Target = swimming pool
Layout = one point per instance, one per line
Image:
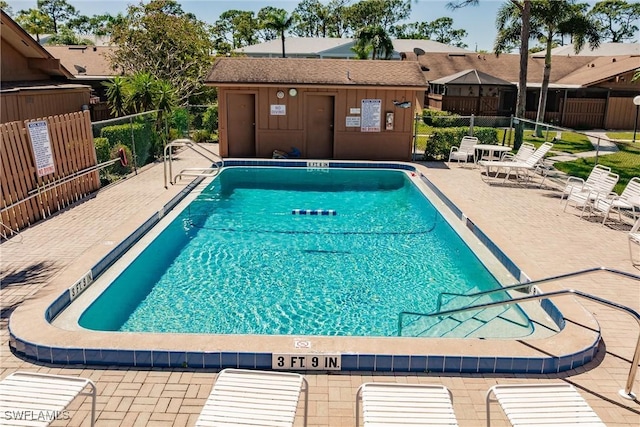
(282, 251)
(46, 329)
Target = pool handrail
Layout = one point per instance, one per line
(627, 391)
(530, 284)
(216, 162)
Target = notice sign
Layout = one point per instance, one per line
(371, 115)
(306, 362)
(353, 121)
(39, 135)
(278, 110)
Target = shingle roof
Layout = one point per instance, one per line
(505, 67)
(337, 47)
(605, 49)
(295, 45)
(316, 72)
(473, 77)
(601, 69)
(93, 59)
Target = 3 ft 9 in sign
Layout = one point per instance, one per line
(306, 362)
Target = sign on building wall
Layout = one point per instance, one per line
(353, 122)
(278, 110)
(39, 135)
(370, 115)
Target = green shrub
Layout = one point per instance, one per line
(200, 135)
(439, 119)
(486, 135)
(142, 135)
(210, 119)
(117, 168)
(180, 121)
(441, 140)
(103, 149)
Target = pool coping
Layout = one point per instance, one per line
(34, 337)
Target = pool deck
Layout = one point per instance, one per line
(527, 223)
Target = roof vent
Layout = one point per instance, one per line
(80, 69)
(613, 59)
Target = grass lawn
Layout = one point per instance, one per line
(569, 142)
(625, 163)
(624, 136)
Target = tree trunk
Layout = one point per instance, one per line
(542, 103)
(521, 103)
(282, 37)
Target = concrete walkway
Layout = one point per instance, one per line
(526, 223)
(601, 143)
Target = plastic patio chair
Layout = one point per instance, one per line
(542, 404)
(634, 239)
(249, 397)
(574, 182)
(522, 166)
(585, 197)
(465, 150)
(396, 404)
(628, 200)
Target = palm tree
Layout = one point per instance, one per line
(117, 94)
(524, 6)
(549, 19)
(374, 38)
(279, 21)
(143, 94)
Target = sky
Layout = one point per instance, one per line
(478, 21)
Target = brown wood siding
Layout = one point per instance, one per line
(621, 114)
(31, 104)
(15, 67)
(283, 132)
(620, 82)
(434, 102)
(73, 151)
(584, 113)
(468, 105)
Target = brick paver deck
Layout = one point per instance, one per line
(527, 223)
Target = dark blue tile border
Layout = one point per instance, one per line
(350, 362)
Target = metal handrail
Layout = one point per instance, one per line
(189, 143)
(626, 392)
(37, 192)
(535, 282)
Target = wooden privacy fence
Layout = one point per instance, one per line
(27, 197)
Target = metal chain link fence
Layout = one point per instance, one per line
(574, 152)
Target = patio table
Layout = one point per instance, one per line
(490, 151)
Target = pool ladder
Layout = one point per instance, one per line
(627, 391)
(215, 159)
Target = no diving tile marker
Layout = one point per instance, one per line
(317, 212)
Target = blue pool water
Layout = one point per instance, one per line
(241, 260)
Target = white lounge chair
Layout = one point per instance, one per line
(392, 404)
(585, 197)
(628, 200)
(523, 153)
(634, 239)
(574, 182)
(259, 398)
(542, 404)
(32, 399)
(465, 150)
(522, 166)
